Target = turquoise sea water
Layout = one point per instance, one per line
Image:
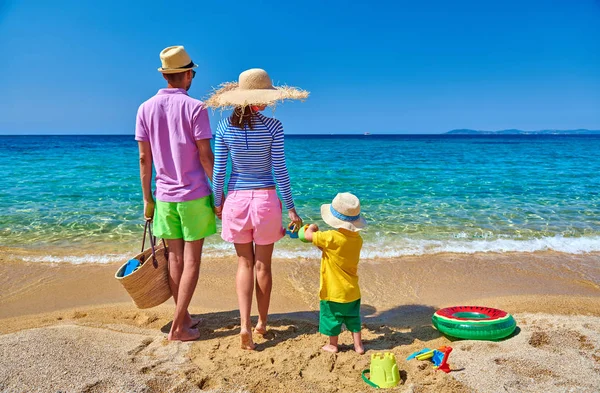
(420, 194)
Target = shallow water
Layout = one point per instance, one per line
(420, 194)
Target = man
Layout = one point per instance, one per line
(173, 132)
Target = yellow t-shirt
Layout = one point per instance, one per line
(339, 264)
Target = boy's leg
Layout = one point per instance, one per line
(353, 324)
(332, 346)
(329, 325)
(358, 345)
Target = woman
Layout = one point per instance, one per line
(252, 212)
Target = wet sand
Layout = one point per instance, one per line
(66, 320)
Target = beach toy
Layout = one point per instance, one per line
(301, 233)
(438, 356)
(384, 371)
(440, 359)
(415, 354)
(292, 230)
(425, 355)
(131, 266)
(474, 322)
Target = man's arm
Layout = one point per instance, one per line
(146, 178)
(207, 158)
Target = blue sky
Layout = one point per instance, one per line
(83, 67)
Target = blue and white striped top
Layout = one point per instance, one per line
(255, 155)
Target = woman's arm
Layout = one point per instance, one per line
(220, 168)
(281, 173)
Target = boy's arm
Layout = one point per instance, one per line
(308, 233)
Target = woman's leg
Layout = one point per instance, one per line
(264, 282)
(244, 282)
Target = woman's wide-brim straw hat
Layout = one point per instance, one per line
(175, 59)
(254, 87)
(344, 212)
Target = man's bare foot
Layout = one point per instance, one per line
(247, 342)
(261, 328)
(184, 334)
(359, 349)
(330, 348)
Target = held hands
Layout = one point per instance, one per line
(219, 212)
(149, 210)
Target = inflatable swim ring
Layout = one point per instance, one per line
(474, 323)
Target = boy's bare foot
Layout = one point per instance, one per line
(358, 345)
(330, 348)
(247, 342)
(184, 335)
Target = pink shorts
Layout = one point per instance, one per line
(252, 215)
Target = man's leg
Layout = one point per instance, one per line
(197, 221)
(184, 269)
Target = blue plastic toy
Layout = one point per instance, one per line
(437, 358)
(292, 230)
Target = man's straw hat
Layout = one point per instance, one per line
(174, 60)
(344, 212)
(254, 87)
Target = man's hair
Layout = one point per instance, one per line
(175, 78)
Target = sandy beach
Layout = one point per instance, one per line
(72, 328)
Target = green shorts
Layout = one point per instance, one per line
(190, 220)
(334, 314)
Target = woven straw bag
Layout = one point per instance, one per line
(148, 286)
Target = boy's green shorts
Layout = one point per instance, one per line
(190, 220)
(334, 314)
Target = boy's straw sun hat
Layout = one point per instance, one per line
(254, 87)
(175, 59)
(344, 212)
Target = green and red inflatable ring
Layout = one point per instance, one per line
(474, 322)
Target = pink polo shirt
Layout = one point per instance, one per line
(172, 122)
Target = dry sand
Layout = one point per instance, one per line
(60, 334)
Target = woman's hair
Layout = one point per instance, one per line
(242, 117)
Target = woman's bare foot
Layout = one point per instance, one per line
(184, 334)
(261, 328)
(192, 322)
(247, 342)
(330, 348)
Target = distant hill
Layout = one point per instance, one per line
(521, 132)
